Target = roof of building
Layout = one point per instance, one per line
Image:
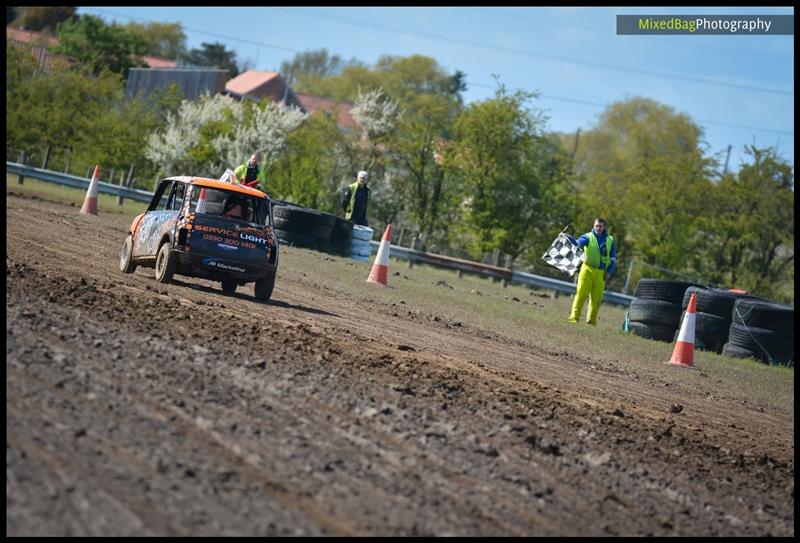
(155, 62)
(251, 82)
(28, 36)
(312, 104)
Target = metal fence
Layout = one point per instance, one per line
(402, 253)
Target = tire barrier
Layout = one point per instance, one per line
(658, 289)
(710, 331)
(714, 309)
(360, 247)
(761, 329)
(655, 313)
(658, 332)
(764, 314)
(301, 227)
(340, 236)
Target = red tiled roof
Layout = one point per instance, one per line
(255, 83)
(155, 62)
(312, 104)
(28, 37)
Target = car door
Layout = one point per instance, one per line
(160, 217)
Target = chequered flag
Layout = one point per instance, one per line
(564, 255)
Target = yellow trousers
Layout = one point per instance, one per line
(591, 284)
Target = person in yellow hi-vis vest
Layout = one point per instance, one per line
(601, 259)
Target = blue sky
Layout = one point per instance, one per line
(739, 88)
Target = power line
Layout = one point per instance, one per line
(480, 85)
(672, 43)
(603, 106)
(206, 33)
(524, 52)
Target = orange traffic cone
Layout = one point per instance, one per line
(90, 202)
(683, 355)
(380, 268)
(201, 202)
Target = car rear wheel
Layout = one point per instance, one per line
(264, 287)
(229, 285)
(126, 263)
(165, 264)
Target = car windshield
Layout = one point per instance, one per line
(229, 204)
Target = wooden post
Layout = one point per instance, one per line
(46, 158)
(504, 282)
(20, 177)
(495, 262)
(120, 199)
(411, 256)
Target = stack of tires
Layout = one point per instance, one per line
(761, 329)
(340, 236)
(360, 248)
(656, 311)
(301, 227)
(713, 320)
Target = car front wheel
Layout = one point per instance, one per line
(165, 264)
(126, 263)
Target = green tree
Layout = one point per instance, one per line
(315, 64)
(213, 55)
(40, 19)
(511, 172)
(420, 182)
(120, 134)
(404, 79)
(644, 169)
(749, 231)
(307, 171)
(164, 40)
(56, 108)
(100, 46)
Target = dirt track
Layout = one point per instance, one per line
(135, 408)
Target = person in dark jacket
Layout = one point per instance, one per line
(601, 259)
(355, 200)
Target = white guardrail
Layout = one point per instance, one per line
(402, 253)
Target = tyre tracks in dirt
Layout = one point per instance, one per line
(320, 423)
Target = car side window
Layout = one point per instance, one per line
(176, 199)
(159, 194)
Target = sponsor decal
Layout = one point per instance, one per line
(227, 247)
(215, 230)
(221, 265)
(256, 239)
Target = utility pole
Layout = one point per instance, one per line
(727, 157)
(577, 137)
